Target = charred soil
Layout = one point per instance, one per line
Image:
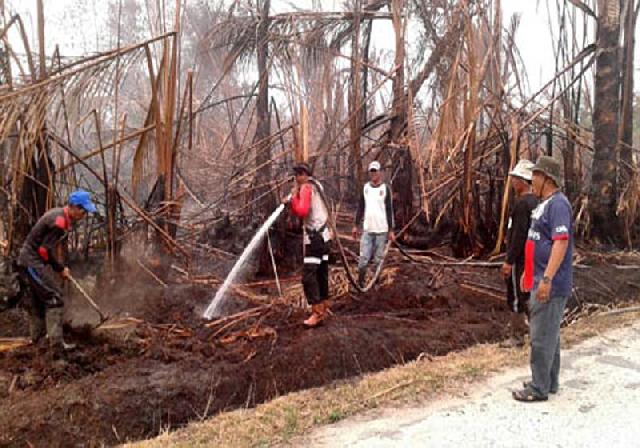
(133, 381)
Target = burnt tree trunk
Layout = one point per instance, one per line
(263, 121)
(399, 119)
(355, 98)
(5, 78)
(402, 163)
(263, 129)
(606, 109)
(626, 117)
(365, 68)
(37, 191)
(569, 153)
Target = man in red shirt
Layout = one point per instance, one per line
(307, 203)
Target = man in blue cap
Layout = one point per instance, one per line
(40, 256)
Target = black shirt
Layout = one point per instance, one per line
(519, 223)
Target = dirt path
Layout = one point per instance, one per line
(596, 406)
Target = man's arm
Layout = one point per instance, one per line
(301, 203)
(558, 251)
(360, 210)
(560, 221)
(560, 224)
(56, 253)
(388, 203)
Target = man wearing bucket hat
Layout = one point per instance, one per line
(41, 256)
(549, 275)
(307, 204)
(517, 230)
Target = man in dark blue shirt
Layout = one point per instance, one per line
(549, 275)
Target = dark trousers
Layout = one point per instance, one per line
(45, 292)
(315, 273)
(544, 327)
(45, 307)
(517, 300)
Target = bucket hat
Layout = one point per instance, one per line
(550, 167)
(523, 170)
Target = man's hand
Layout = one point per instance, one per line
(354, 232)
(542, 295)
(506, 270)
(392, 236)
(66, 273)
(285, 200)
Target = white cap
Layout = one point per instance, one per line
(523, 170)
(375, 165)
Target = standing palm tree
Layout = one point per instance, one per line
(606, 113)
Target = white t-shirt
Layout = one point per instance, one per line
(375, 211)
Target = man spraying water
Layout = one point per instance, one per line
(307, 203)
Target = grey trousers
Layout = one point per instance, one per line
(544, 327)
(372, 246)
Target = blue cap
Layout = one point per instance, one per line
(81, 198)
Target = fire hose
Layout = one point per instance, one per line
(403, 251)
(343, 255)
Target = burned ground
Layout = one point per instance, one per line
(167, 368)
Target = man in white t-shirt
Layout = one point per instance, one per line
(375, 214)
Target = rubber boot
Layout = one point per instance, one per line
(54, 330)
(362, 276)
(37, 328)
(316, 316)
(326, 311)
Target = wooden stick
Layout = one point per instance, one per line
(481, 291)
(87, 297)
(633, 309)
(256, 310)
(101, 149)
(150, 272)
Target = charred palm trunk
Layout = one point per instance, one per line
(263, 124)
(5, 78)
(605, 123)
(263, 127)
(626, 117)
(569, 155)
(402, 163)
(355, 98)
(37, 191)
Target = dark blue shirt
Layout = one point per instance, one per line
(550, 221)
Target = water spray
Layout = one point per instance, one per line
(213, 309)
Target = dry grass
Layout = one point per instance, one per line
(279, 420)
